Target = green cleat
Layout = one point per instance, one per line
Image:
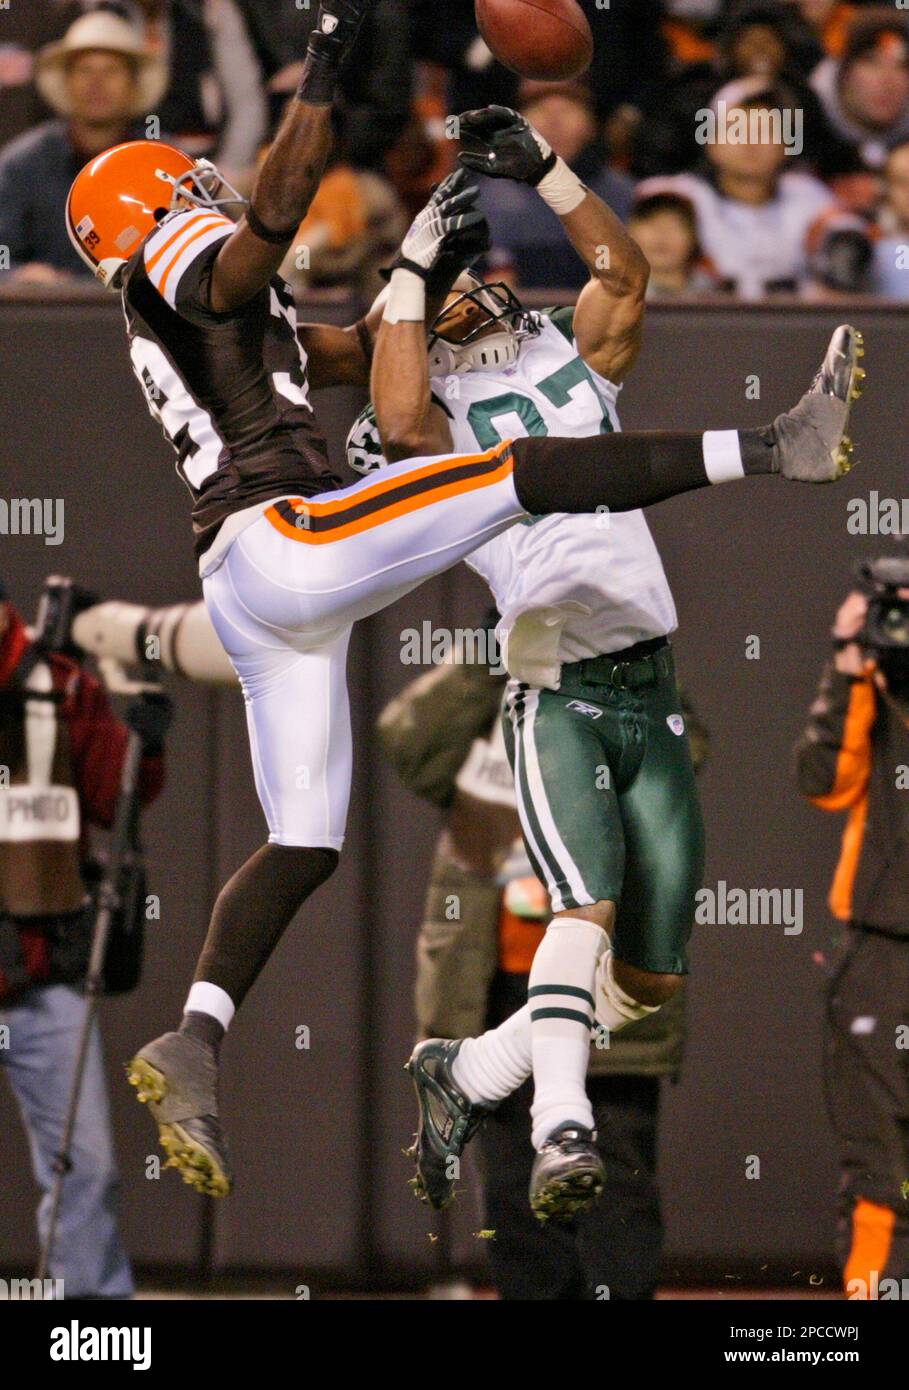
(448, 1121)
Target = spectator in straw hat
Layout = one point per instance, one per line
(100, 81)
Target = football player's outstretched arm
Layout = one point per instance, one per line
(610, 311)
(446, 236)
(341, 356)
(410, 423)
(607, 322)
(292, 171)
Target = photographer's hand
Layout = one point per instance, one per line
(850, 660)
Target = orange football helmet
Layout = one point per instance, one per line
(122, 195)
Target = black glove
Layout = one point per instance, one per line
(448, 225)
(501, 143)
(459, 251)
(330, 43)
(150, 717)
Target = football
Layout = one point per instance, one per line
(548, 40)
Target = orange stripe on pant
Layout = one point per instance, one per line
(872, 1236)
(444, 491)
(840, 898)
(853, 761)
(850, 791)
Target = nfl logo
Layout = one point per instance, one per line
(676, 723)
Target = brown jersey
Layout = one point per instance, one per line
(230, 390)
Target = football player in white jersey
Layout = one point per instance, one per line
(604, 781)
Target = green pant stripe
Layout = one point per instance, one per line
(535, 842)
(554, 876)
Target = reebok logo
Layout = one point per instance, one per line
(590, 710)
(76, 1343)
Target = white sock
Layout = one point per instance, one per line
(490, 1067)
(204, 998)
(561, 1011)
(723, 456)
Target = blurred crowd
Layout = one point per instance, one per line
(755, 147)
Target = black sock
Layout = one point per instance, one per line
(620, 472)
(253, 910)
(203, 1027)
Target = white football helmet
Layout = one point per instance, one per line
(459, 337)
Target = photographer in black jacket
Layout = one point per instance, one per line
(854, 757)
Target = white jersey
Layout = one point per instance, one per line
(567, 587)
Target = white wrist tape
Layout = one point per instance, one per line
(723, 456)
(561, 189)
(406, 297)
(381, 299)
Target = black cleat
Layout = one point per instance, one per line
(177, 1076)
(448, 1121)
(811, 443)
(567, 1174)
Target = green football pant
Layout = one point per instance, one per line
(607, 799)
